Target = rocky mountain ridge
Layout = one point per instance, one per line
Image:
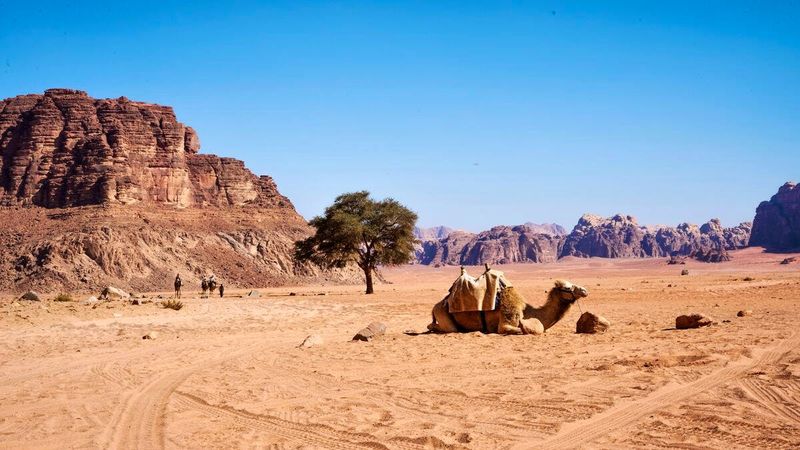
(114, 191)
(619, 236)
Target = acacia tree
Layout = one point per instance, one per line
(358, 229)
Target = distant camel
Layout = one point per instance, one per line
(514, 316)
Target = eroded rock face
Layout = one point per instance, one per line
(622, 237)
(777, 223)
(64, 149)
(97, 192)
(499, 245)
(616, 237)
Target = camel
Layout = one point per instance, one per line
(514, 316)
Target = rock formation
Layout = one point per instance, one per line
(622, 237)
(777, 223)
(96, 192)
(499, 245)
(619, 236)
(65, 149)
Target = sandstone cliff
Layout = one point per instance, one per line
(113, 191)
(777, 222)
(65, 149)
(622, 237)
(619, 236)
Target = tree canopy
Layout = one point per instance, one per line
(357, 229)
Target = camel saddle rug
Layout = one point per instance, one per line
(476, 294)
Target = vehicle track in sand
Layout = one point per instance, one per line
(583, 432)
(320, 435)
(139, 421)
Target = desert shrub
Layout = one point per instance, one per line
(748, 279)
(172, 304)
(62, 297)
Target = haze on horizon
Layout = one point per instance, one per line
(471, 113)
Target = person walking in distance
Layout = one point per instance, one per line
(178, 284)
(221, 290)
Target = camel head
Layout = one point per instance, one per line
(567, 292)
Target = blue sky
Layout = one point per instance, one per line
(471, 113)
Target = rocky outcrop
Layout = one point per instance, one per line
(619, 236)
(65, 149)
(616, 237)
(500, 245)
(504, 245)
(113, 192)
(445, 251)
(622, 237)
(777, 223)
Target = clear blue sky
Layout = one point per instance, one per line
(471, 113)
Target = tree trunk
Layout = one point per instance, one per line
(368, 276)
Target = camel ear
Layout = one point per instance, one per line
(560, 283)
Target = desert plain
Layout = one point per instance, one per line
(231, 373)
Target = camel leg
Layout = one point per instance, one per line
(531, 326)
(510, 317)
(442, 320)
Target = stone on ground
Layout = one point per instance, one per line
(744, 312)
(311, 341)
(692, 321)
(590, 323)
(31, 296)
(372, 330)
(112, 293)
(254, 294)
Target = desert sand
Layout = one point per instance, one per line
(228, 373)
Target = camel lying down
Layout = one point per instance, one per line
(514, 316)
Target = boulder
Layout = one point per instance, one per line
(590, 323)
(744, 313)
(311, 341)
(31, 296)
(112, 293)
(684, 272)
(692, 321)
(372, 331)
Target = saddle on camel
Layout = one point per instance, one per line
(490, 304)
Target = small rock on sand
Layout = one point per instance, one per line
(112, 293)
(685, 272)
(91, 301)
(311, 341)
(151, 335)
(254, 294)
(31, 296)
(371, 331)
(744, 312)
(692, 321)
(590, 323)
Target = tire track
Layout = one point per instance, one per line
(139, 423)
(320, 435)
(770, 397)
(578, 433)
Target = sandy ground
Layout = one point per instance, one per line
(228, 373)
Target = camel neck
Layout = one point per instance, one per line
(550, 313)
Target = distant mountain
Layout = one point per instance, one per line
(619, 236)
(547, 228)
(432, 233)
